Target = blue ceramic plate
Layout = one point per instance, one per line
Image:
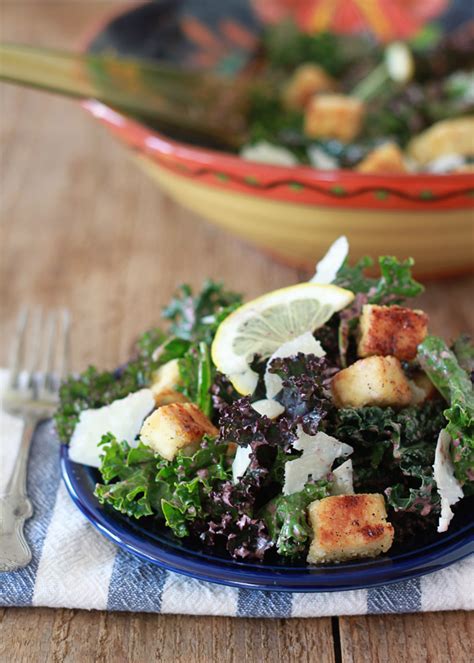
(157, 545)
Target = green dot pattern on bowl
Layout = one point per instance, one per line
(250, 179)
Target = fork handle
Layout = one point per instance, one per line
(15, 508)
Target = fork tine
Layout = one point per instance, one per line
(47, 356)
(64, 353)
(33, 350)
(18, 346)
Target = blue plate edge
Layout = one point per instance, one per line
(207, 572)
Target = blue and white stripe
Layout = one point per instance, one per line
(74, 566)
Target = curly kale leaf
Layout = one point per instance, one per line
(286, 519)
(373, 432)
(196, 317)
(241, 424)
(139, 482)
(129, 476)
(192, 479)
(93, 388)
(232, 508)
(304, 395)
(394, 452)
(421, 499)
(454, 384)
(414, 455)
(244, 537)
(394, 285)
(354, 278)
(223, 392)
(286, 46)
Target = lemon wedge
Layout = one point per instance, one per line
(261, 326)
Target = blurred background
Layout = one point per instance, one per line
(83, 227)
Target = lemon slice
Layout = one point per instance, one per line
(261, 326)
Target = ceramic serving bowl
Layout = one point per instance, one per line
(293, 213)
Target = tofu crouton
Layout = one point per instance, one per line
(445, 137)
(307, 80)
(348, 526)
(372, 381)
(386, 158)
(391, 330)
(333, 116)
(165, 381)
(177, 426)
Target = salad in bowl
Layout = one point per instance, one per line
(344, 101)
(317, 424)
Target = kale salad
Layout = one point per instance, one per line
(316, 424)
(336, 101)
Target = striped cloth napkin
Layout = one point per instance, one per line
(74, 566)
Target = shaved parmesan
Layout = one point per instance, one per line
(319, 453)
(321, 159)
(449, 488)
(328, 267)
(306, 344)
(123, 418)
(343, 479)
(268, 408)
(264, 152)
(241, 462)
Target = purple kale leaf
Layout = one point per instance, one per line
(304, 394)
(223, 393)
(244, 537)
(232, 508)
(241, 424)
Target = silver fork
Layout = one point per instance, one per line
(38, 363)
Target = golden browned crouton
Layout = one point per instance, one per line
(422, 389)
(371, 381)
(333, 116)
(165, 381)
(307, 80)
(386, 158)
(446, 137)
(348, 526)
(176, 426)
(391, 330)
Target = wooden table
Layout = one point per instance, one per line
(82, 227)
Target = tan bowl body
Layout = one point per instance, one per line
(441, 241)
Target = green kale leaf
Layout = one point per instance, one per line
(394, 452)
(94, 389)
(454, 384)
(286, 519)
(129, 476)
(139, 482)
(196, 317)
(394, 285)
(197, 371)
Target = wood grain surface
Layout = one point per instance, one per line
(82, 227)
